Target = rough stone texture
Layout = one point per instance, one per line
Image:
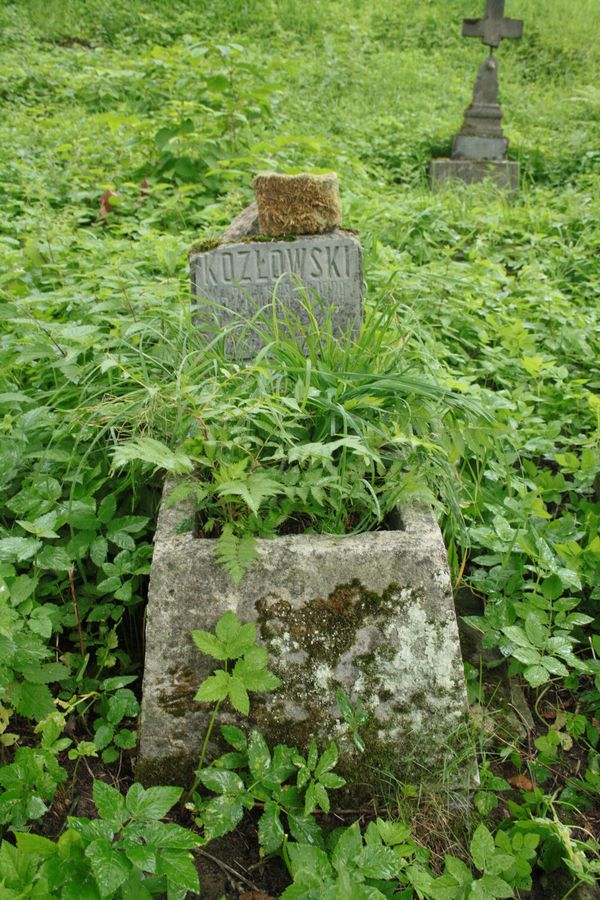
(504, 173)
(494, 26)
(372, 613)
(243, 225)
(297, 204)
(479, 147)
(481, 135)
(239, 279)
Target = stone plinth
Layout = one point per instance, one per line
(370, 613)
(241, 278)
(504, 173)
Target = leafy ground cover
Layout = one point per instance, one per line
(131, 130)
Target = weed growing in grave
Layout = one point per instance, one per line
(319, 435)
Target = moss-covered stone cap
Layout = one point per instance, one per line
(297, 204)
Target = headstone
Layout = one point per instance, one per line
(480, 149)
(370, 613)
(247, 269)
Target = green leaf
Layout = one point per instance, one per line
(555, 666)
(154, 453)
(103, 736)
(110, 803)
(391, 832)
(458, 870)
(153, 803)
(122, 703)
(214, 688)
(444, 888)
(140, 855)
(209, 644)
(221, 815)
(235, 553)
(238, 695)
(99, 551)
(328, 760)
(110, 867)
(303, 828)
(236, 637)
(255, 678)
(178, 866)
(270, 829)
(32, 700)
(535, 630)
(377, 861)
(18, 549)
(221, 781)
(259, 757)
(348, 847)
(516, 634)
(482, 847)
(306, 858)
(55, 558)
(235, 737)
(536, 675)
(527, 655)
(321, 796)
(107, 509)
(35, 845)
(492, 886)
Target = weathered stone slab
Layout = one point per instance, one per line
(479, 147)
(371, 613)
(243, 278)
(504, 173)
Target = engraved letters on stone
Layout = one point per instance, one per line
(242, 278)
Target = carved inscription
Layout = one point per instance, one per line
(243, 278)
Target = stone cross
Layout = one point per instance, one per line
(494, 27)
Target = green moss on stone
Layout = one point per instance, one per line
(203, 245)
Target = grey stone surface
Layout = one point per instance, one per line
(494, 26)
(243, 225)
(504, 174)
(372, 613)
(471, 146)
(297, 204)
(241, 278)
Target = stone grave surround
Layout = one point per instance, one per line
(370, 613)
(480, 149)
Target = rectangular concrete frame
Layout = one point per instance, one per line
(505, 174)
(240, 278)
(372, 613)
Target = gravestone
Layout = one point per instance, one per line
(371, 613)
(480, 149)
(266, 252)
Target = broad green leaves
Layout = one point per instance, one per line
(234, 642)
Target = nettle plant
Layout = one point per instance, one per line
(315, 435)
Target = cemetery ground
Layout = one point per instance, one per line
(130, 131)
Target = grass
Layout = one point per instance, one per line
(173, 112)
